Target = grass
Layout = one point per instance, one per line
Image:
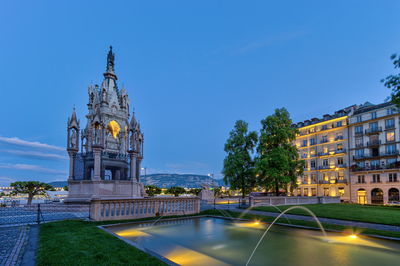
(283, 220)
(354, 212)
(76, 242)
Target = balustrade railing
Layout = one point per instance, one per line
(122, 209)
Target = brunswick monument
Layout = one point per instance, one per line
(105, 156)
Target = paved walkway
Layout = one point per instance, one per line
(13, 241)
(327, 220)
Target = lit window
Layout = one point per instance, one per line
(390, 136)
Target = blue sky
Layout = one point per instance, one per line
(191, 69)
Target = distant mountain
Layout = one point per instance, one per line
(59, 183)
(183, 180)
(169, 180)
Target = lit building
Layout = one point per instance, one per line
(374, 154)
(323, 144)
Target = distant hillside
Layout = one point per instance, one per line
(169, 180)
(184, 180)
(59, 183)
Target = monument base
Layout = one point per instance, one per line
(83, 191)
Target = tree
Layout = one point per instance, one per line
(66, 188)
(176, 191)
(393, 81)
(32, 188)
(277, 162)
(217, 192)
(195, 191)
(152, 190)
(238, 168)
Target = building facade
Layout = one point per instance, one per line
(324, 145)
(374, 154)
(105, 156)
(353, 153)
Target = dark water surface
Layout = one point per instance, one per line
(215, 241)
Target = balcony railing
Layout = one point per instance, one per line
(359, 145)
(356, 168)
(373, 130)
(389, 127)
(359, 133)
(375, 156)
(373, 143)
(324, 141)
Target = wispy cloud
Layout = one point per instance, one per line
(36, 154)
(268, 42)
(31, 167)
(32, 144)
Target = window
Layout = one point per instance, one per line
(313, 178)
(325, 177)
(325, 162)
(341, 191)
(376, 178)
(304, 155)
(313, 142)
(391, 149)
(360, 152)
(359, 129)
(359, 142)
(341, 175)
(304, 143)
(306, 192)
(390, 111)
(324, 127)
(373, 126)
(390, 136)
(339, 123)
(391, 161)
(339, 147)
(312, 130)
(359, 118)
(313, 192)
(392, 177)
(361, 179)
(312, 164)
(305, 164)
(389, 123)
(340, 161)
(324, 139)
(326, 191)
(375, 163)
(312, 152)
(339, 136)
(373, 115)
(361, 164)
(299, 192)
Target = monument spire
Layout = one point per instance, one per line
(110, 65)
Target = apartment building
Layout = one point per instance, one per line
(324, 144)
(374, 154)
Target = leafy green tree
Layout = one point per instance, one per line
(217, 192)
(238, 164)
(152, 190)
(277, 162)
(32, 188)
(195, 191)
(66, 188)
(176, 191)
(393, 81)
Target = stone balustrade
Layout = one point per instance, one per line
(123, 209)
(268, 201)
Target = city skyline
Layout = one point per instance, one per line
(188, 81)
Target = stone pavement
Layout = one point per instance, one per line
(327, 220)
(13, 241)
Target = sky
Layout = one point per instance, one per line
(191, 69)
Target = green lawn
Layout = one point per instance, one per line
(76, 242)
(354, 212)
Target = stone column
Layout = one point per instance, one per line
(72, 156)
(138, 168)
(97, 163)
(132, 170)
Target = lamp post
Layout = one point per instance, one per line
(144, 168)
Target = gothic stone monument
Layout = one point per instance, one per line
(107, 163)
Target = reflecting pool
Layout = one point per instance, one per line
(216, 241)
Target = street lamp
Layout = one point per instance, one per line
(144, 168)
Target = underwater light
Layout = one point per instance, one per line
(353, 236)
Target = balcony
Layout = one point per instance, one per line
(393, 181)
(373, 143)
(376, 156)
(323, 182)
(373, 130)
(388, 127)
(324, 167)
(359, 145)
(355, 168)
(339, 138)
(358, 133)
(324, 141)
